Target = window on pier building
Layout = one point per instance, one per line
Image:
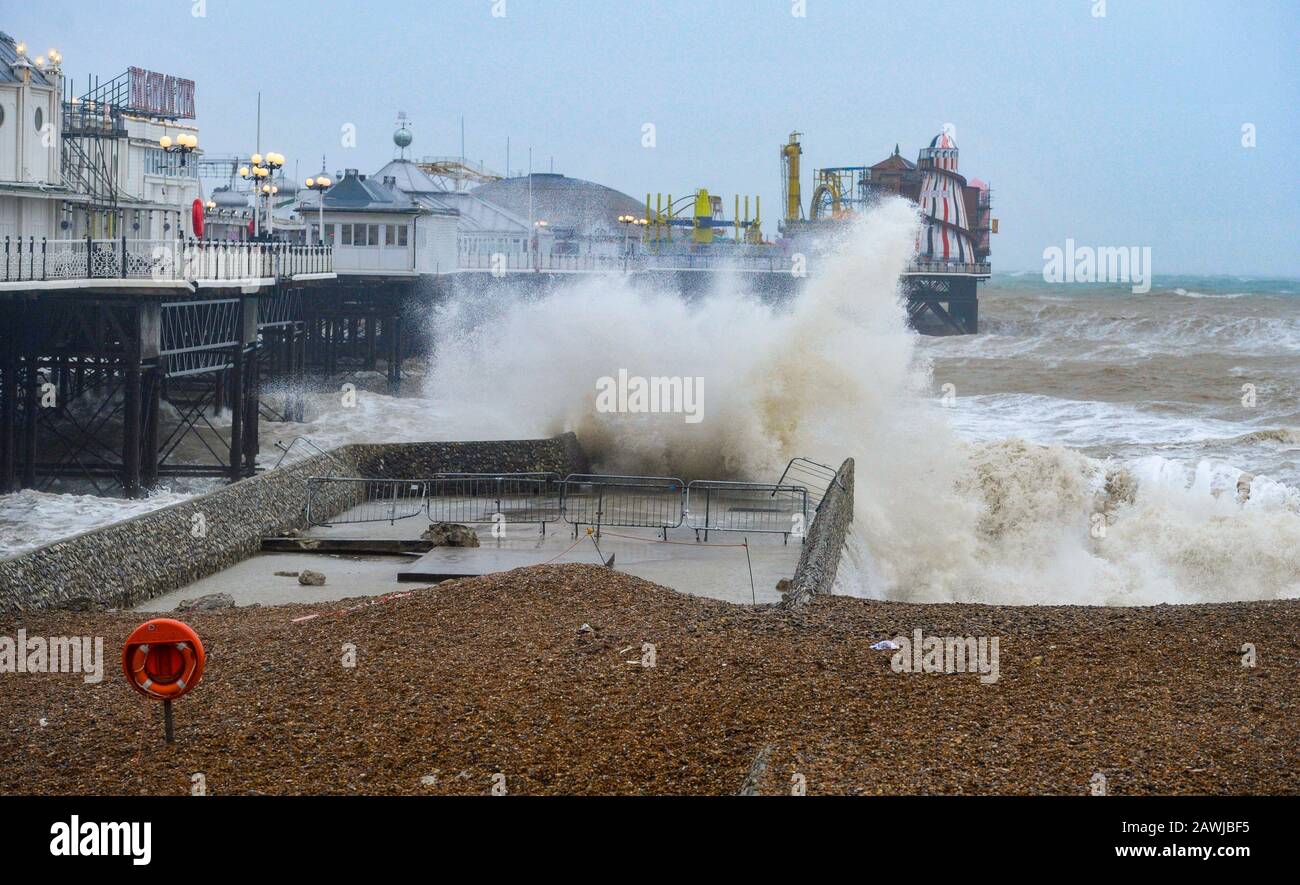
(395, 235)
(159, 162)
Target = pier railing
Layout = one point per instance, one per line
(776, 262)
(922, 267)
(43, 260)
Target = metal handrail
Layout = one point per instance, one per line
(807, 468)
(785, 515)
(31, 260)
(657, 502)
(775, 263)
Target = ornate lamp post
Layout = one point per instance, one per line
(273, 162)
(184, 144)
(270, 191)
(260, 171)
(538, 227)
(320, 184)
(249, 173)
(627, 221)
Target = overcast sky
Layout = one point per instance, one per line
(1117, 130)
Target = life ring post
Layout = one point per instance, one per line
(163, 660)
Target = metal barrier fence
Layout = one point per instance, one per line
(479, 497)
(811, 475)
(656, 502)
(746, 507)
(350, 499)
(632, 501)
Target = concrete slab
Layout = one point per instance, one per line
(717, 568)
(254, 580)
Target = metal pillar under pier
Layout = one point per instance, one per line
(943, 304)
(350, 325)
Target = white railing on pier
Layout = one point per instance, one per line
(774, 262)
(32, 260)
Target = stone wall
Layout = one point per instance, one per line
(825, 542)
(126, 563)
(561, 455)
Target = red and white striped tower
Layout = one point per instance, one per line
(946, 235)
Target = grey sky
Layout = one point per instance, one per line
(1122, 130)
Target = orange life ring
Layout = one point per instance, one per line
(163, 658)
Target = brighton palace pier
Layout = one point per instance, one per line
(157, 303)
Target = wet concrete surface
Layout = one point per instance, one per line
(717, 568)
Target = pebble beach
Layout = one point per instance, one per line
(580, 680)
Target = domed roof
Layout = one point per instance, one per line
(562, 202)
(409, 178)
(942, 140)
(226, 198)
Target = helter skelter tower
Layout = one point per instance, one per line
(952, 248)
(946, 234)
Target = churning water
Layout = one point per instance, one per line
(1089, 450)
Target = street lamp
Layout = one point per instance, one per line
(538, 226)
(320, 184)
(262, 168)
(209, 208)
(249, 173)
(184, 144)
(627, 221)
(270, 191)
(272, 164)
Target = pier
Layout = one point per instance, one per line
(152, 293)
(103, 338)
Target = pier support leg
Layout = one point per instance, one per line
(395, 355)
(31, 381)
(153, 407)
(9, 424)
(332, 346)
(252, 424)
(220, 380)
(237, 414)
(297, 340)
(131, 432)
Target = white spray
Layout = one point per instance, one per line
(836, 373)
